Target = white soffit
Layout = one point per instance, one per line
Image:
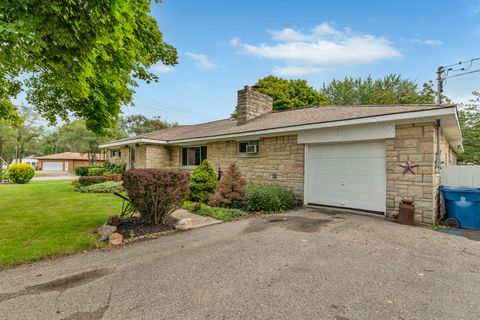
(372, 131)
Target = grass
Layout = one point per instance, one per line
(224, 214)
(47, 218)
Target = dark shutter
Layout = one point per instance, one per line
(203, 153)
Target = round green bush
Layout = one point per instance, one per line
(204, 181)
(268, 199)
(20, 173)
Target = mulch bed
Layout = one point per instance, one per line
(133, 227)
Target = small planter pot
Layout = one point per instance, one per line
(109, 177)
(117, 177)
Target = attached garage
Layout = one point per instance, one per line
(52, 166)
(348, 175)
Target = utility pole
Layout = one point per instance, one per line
(439, 84)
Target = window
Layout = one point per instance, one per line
(115, 153)
(242, 146)
(193, 156)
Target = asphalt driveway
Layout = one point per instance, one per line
(298, 265)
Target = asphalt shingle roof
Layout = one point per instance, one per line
(272, 120)
(67, 156)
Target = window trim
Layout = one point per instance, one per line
(113, 151)
(203, 149)
(248, 142)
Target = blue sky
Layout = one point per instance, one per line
(224, 45)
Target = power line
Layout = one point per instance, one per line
(444, 71)
(461, 74)
(172, 112)
(172, 107)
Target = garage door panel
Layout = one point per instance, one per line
(52, 166)
(348, 150)
(347, 175)
(367, 166)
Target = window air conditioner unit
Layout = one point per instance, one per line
(252, 148)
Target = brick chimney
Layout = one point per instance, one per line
(251, 104)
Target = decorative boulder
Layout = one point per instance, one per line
(105, 231)
(115, 239)
(184, 224)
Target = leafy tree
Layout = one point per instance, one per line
(391, 89)
(78, 58)
(203, 182)
(19, 138)
(138, 124)
(7, 141)
(470, 122)
(75, 137)
(290, 94)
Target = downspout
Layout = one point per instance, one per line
(438, 158)
(438, 164)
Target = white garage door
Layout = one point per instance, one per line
(350, 175)
(52, 166)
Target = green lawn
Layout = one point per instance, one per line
(46, 218)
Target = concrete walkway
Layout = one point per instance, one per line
(197, 220)
(54, 175)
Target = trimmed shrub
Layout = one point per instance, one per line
(115, 168)
(20, 173)
(156, 193)
(230, 189)
(104, 187)
(82, 171)
(268, 199)
(203, 182)
(96, 171)
(88, 181)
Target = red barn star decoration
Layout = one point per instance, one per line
(408, 166)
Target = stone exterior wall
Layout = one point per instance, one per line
(280, 160)
(251, 104)
(124, 156)
(414, 142)
(417, 143)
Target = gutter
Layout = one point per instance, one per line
(133, 141)
(295, 128)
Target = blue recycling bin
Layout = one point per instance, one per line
(463, 204)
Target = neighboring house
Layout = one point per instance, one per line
(66, 161)
(31, 160)
(339, 156)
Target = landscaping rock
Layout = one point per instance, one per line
(105, 231)
(115, 239)
(184, 224)
(113, 220)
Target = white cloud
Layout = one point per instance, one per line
(324, 46)
(429, 42)
(474, 10)
(235, 42)
(201, 60)
(292, 71)
(161, 68)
